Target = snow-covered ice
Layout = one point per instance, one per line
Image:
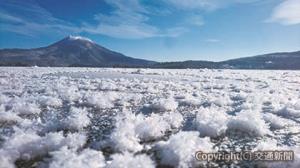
(111, 117)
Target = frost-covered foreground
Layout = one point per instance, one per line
(80, 117)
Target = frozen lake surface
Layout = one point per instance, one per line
(105, 117)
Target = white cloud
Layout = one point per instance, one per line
(195, 20)
(193, 4)
(123, 21)
(11, 23)
(31, 20)
(286, 13)
(207, 5)
(174, 32)
(123, 30)
(129, 20)
(5, 17)
(212, 40)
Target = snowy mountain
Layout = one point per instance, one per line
(70, 51)
(83, 52)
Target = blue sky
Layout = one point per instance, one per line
(165, 30)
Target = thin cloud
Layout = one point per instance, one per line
(129, 19)
(36, 21)
(122, 22)
(195, 20)
(212, 40)
(129, 23)
(193, 4)
(205, 5)
(122, 31)
(5, 17)
(174, 32)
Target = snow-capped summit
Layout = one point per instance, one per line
(70, 37)
(70, 51)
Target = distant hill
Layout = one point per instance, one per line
(70, 51)
(82, 52)
(187, 64)
(283, 60)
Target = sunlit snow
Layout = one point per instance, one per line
(106, 117)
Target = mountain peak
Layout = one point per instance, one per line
(70, 37)
(70, 51)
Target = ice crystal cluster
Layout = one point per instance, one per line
(102, 117)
